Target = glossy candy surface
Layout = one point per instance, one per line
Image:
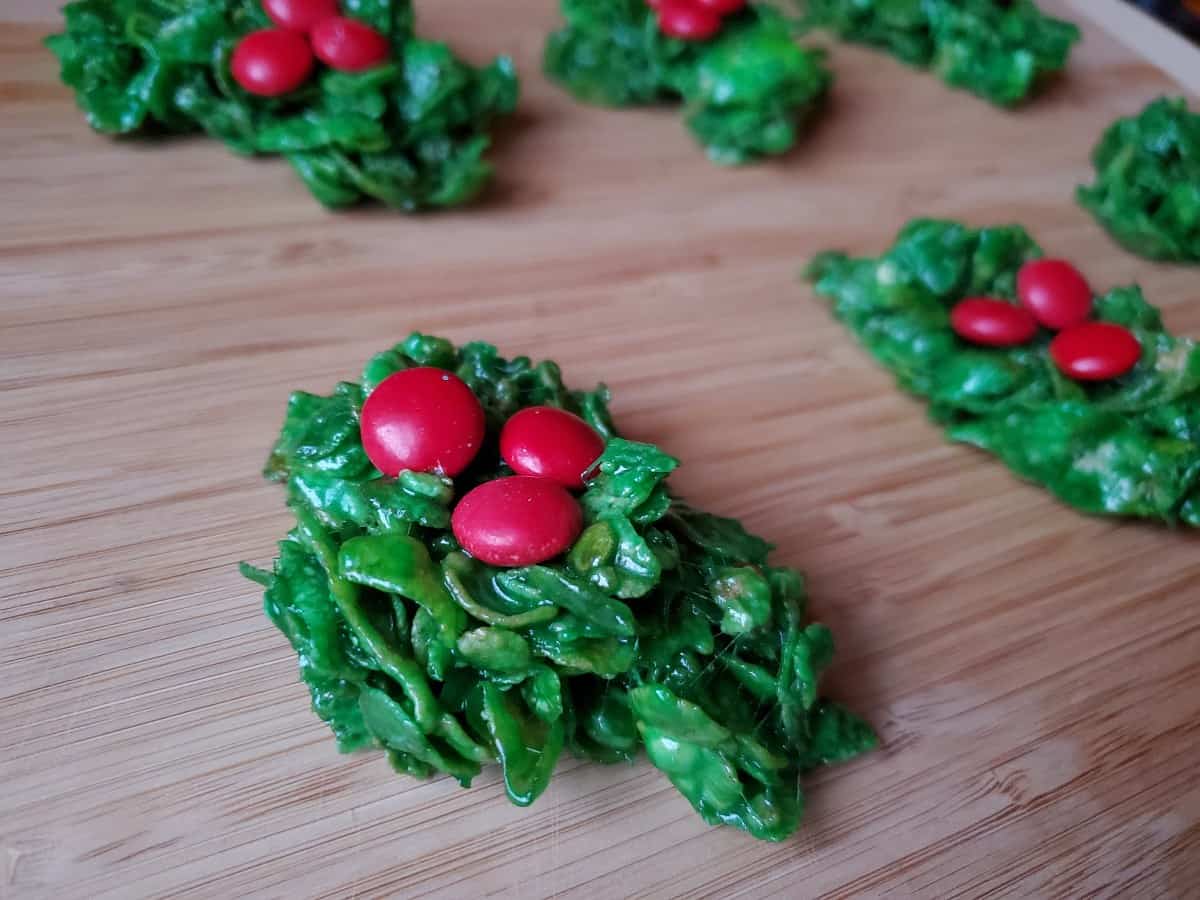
(271, 62)
(1055, 292)
(721, 7)
(993, 323)
(348, 45)
(687, 21)
(1095, 351)
(517, 521)
(551, 443)
(422, 419)
(299, 15)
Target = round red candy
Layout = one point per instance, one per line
(550, 443)
(993, 323)
(348, 44)
(423, 419)
(721, 7)
(271, 62)
(1095, 351)
(1055, 292)
(687, 21)
(299, 15)
(517, 521)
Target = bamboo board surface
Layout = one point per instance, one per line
(1035, 675)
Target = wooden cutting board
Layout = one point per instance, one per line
(1035, 674)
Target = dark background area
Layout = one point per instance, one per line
(1182, 15)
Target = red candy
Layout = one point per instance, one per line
(551, 443)
(299, 15)
(517, 521)
(1095, 351)
(1055, 292)
(422, 419)
(721, 7)
(687, 21)
(993, 323)
(271, 62)
(348, 44)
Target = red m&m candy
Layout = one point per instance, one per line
(299, 15)
(687, 21)
(348, 44)
(551, 443)
(423, 419)
(271, 62)
(517, 521)
(1055, 292)
(1095, 351)
(993, 323)
(721, 7)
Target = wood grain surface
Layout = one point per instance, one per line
(1035, 675)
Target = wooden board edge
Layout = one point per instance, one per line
(1146, 36)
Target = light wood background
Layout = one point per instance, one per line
(1035, 675)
